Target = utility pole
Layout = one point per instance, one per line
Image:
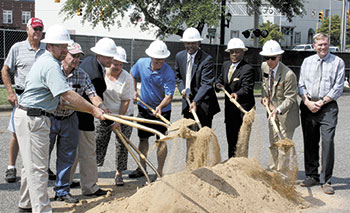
(222, 22)
(343, 26)
(330, 20)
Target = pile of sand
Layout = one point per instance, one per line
(238, 185)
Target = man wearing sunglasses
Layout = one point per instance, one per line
(237, 77)
(19, 60)
(279, 92)
(321, 83)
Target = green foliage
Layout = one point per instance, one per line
(335, 29)
(169, 16)
(274, 32)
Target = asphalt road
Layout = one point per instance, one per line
(339, 202)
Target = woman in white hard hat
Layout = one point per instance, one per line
(279, 91)
(157, 90)
(237, 77)
(118, 98)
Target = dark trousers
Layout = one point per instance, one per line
(233, 125)
(315, 125)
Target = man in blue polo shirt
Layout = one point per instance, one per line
(157, 89)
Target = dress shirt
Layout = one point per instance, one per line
(333, 72)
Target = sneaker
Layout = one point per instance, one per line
(119, 181)
(52, 176)
(327, 189)
(309, 181)
(10, 175)
(136, 173)
(20, 209)
(66, 198)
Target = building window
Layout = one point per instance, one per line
(26, 15)
(234, 34)
(7, 17)
(297, 37)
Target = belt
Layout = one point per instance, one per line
(19, 91)
(62, 117)
(34, 111)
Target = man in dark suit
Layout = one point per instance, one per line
(237, 77)
(194, 72)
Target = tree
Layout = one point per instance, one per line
(169, 16)
(335, 29)
(274, 32)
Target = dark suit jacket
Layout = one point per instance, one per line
(242, 83)
(203, 77)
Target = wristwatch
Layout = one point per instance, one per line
(324, 101)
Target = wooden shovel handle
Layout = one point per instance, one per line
(234, 101)
(153, 111)
(141, 120)
(194, 113)
(273, 122)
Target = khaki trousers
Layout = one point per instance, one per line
(280, 158)
(33, 139)
(86, 156)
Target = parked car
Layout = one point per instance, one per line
(304, 47)
(333, 48)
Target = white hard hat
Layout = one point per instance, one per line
(271, 48)
(191, 35)
(105, 47)
(158, 49)
(235, 43)
(57, 34)
(120, 55)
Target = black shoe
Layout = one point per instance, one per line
(10, 175)
(309, 181)
(75, 184)
(66, 198)
(24, 209)
(99, 192)
(52, 176)
(136, 174)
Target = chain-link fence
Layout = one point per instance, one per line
(135, 49)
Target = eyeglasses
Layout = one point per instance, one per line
(266, 58)
(236, 51)
(38, 29)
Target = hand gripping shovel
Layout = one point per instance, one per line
(246, 128)
(188, 92)
(153, 111)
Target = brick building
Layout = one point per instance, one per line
(16, 13)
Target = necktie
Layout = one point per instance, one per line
(271, 82)
(230, 72)
(318, 77)
(189, 72)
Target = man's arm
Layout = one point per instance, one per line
(12, 98)
(80, 104)
(165, 102)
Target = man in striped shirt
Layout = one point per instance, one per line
(320, 85)
(19, 61)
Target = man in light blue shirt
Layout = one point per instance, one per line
(320, 85)
(44, 86)
(157, 90)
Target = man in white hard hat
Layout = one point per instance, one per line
(279, 92)
(44, 85)
(64, 123)
(237, 77)
(19, 60)
(95, 67)
(157, 89)
(195, 75)
(119, 99)
(321, 83)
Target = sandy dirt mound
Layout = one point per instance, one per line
(238, 185)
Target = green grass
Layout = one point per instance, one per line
(3, 96)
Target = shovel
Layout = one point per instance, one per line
(188, 92)
(244, 132)
(153, 111)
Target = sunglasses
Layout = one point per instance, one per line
(266, 58)
(38, 29)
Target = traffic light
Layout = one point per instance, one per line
(257, 32)
(57, 1)
(79, 12)
(320, 16)
(264, 33)
(347, 15)
(246, 33)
